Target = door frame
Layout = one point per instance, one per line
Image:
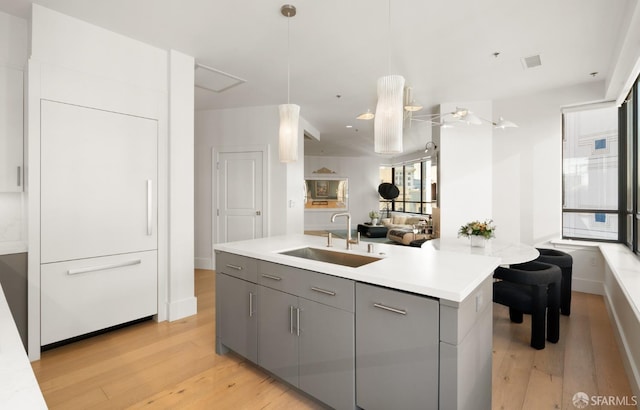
(215, 156)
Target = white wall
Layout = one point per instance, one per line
(13, 55)
(527, 163)
(78, 63)
(465, 170)
(364, 178)
(245, 127)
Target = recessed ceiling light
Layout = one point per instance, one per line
(349, 126)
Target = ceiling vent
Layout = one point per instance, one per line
(531, 62)
(215, 80)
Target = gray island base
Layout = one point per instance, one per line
(347, 338)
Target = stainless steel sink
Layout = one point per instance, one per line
(338, 258)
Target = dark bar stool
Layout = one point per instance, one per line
(532, 288)
(565, 262)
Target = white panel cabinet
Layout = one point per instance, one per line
(83, 296)
(98, 226)
(11, 129)
(98, 182)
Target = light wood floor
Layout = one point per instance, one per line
(174, 366)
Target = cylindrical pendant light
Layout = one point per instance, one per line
(289, 113)
(288, 141)
(387, 129)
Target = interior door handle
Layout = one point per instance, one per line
(258, 213)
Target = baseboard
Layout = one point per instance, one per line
(182, 308)
(587, 286)
(203, 263)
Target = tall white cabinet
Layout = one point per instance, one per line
(99, 241)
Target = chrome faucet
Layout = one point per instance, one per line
(348, 215)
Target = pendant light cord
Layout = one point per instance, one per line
(288, 56)
(389, 40)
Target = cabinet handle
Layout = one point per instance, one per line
(291, 319)
(264, 275)
(326, 292)
(149, 206)
(19, 175)
(250, 304)
(298, 321)
(390, 309)
(234, 267)
(103, 267)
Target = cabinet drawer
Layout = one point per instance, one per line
(327, 289)
(241, 267)
(330, 290)
(82, 296)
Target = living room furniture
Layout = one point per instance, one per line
(565, 262)
(372, 231)
(532, 288)
(405, 236)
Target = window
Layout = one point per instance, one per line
(416, 182)
(590, 173)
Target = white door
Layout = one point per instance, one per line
(240, 199)
(99, 182)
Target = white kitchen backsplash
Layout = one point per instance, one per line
(12, 217)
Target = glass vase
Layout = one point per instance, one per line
(477, 241)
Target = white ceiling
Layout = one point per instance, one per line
(444, 49)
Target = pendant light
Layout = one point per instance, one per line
(387, 127)
(289, 113)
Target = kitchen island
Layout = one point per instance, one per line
(410, 328)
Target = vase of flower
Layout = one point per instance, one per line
(477, 241)
(478, 232)
(375, 217)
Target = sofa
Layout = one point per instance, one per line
(400, 228)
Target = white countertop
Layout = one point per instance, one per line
(18, 385)
(509, 253)
(440, 274)
(10, 247)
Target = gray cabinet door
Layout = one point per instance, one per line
(278, 333)
(237, 326)
(397, 337)
(327, 365)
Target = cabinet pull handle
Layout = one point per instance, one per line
(234, 267)
(250, 304)
(390, 309)
(19, 175)
(149, 206)
(290, 319)
(326, 292)
(103, 267)
(298, 321)
(264, 275)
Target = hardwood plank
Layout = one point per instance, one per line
(174, 365)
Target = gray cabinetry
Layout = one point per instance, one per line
(236, 317)
(397, 355)
(306, 332)
(277, 333)
(236, 305)
(327, 351)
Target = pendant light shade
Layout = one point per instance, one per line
(289, 113)
(387, 129)
(288, 142)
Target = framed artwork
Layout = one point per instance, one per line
(322, 189)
